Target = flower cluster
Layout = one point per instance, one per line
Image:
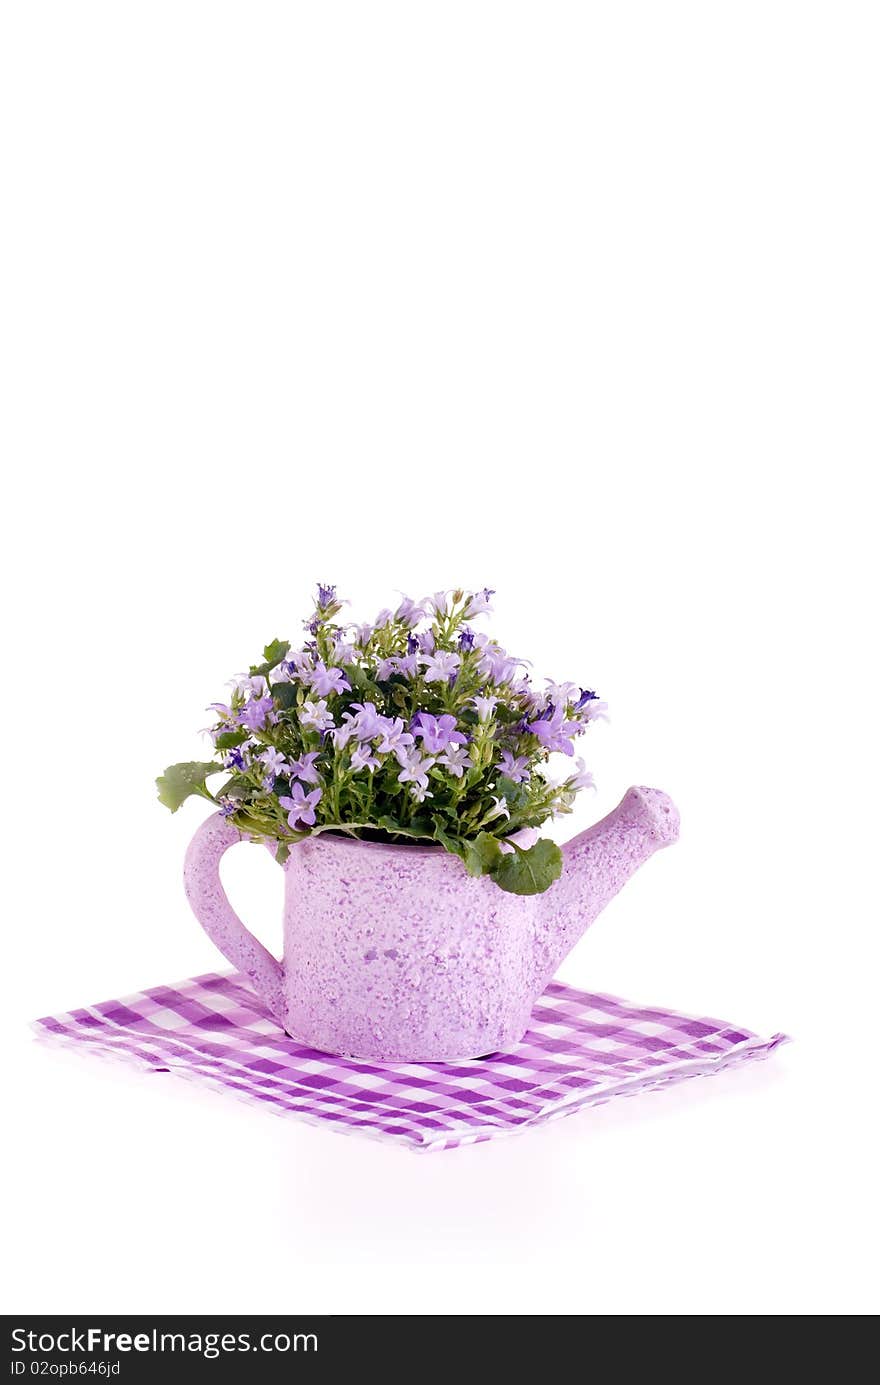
(416, 727)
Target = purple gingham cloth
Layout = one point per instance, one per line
(580, 1050)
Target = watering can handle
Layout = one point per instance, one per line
(209, 903)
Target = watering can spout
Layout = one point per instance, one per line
(598, 864)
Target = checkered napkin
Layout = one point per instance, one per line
(580, 1050)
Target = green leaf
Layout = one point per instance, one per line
(529, 872)
(179, 782)
(516, 796)
(417, 831)
(450, 844)
(255, 826)
(361, 682)
(482, 855)
(282, 851)
(284, 695)
(236, 787)
(275, 651)
(421, 827)
(388, 824)
(227, 739)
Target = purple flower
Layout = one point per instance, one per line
(328, 680)
(364, 634)
(497, 666)
(362, 757)
(439, 603)
(408, 613)
(315, 716)
(368, 723)
(412, 644)
(304, 768)
(478, 603)
(413, 768)
(420, 792)
(561, 692)
(442, 666)
(343, 734)
(515, 767)
(385, 668)
(298, 664)
(436, 732)
(228, 806)
(234, 759)
(256, 713)
(582, 780)
(466, 641)
(524, 838)
(485, 706)
(273, 760)
(594, 710)
(256, 686)
(326, 596)
(343, 652)
(531, 700)
(553, 731)
(408, 665)
(427, 642)
(301, 806)
(456, 760)
(393, 736)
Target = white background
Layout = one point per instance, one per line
(574, 300)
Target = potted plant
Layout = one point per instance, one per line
(400, 772)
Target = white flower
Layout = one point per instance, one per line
(485, 706)
(440, 666)
(315, 716)
(456, 760)
(413, 769)
(500, 810)
(363, 758)
(273, 760)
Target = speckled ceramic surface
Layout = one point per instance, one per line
(397, 954)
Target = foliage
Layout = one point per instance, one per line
(413, 728)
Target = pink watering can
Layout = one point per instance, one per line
(396, 954)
